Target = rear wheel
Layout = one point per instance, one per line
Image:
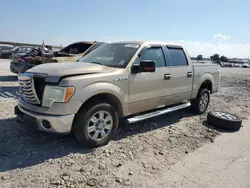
(96, 124)
(200, 103)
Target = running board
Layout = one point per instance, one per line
(157, 113)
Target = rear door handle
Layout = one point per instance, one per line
(189, 74)
(167, 76)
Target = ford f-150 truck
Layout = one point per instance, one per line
(121, 81)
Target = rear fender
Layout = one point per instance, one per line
(200, 81)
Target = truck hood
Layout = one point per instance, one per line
(54, 71)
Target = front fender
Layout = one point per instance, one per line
(100, 88)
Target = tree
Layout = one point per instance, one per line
(199, 57)
(215, 58)
(224, 58)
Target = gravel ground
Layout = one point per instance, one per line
(140, 151)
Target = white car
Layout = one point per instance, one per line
(237, 65)
(246, 65)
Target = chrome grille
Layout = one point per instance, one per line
(27, 88)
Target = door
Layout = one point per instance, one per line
(181, 73)
(147, 90)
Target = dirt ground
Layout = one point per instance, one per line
(140, 151)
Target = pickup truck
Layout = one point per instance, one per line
(117, 82)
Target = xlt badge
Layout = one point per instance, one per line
(120, 79)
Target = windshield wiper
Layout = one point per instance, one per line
(108, 65)
(95, 62)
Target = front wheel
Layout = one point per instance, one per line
(200, 103)
(96, 124)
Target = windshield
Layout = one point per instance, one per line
(113, 55)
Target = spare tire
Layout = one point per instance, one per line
(224, 120)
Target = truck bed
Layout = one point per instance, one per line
(208, 69)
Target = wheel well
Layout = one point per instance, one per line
(206, 85)
(109, 98)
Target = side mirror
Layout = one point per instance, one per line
(144, 66)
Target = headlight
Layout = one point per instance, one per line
(57, 94)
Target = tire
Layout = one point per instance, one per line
(196, 103)
(224, 120)
(83, 121)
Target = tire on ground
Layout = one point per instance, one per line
(80, 125)
(223, 123)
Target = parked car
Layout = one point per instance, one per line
(122, 81)
(246, 65)
(224, 64)
(40, 55)
(72, 52)
(237, 65)
(5, 47)
(8, 53)
(93, 47)
(20, 59)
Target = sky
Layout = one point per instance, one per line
(203, 27)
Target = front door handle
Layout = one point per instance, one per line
(189, 74)
(167, 76)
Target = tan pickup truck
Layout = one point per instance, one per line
(122, 81)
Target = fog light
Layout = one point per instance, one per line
(46, 124)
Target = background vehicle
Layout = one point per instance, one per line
(38, 55)
(222, 64)
(93, 47)
(5, 47)
(237, 65)
(8, 53)
(246, 65)
(72, 52)
(19, 61)
(130, 81)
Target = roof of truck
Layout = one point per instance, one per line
(150, 43)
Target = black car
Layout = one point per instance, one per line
(8, 53)
(3, 48)
(6, 47)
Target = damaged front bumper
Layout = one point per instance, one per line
(44, 122)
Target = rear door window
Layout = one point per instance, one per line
(154, 54)
(177, 57)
